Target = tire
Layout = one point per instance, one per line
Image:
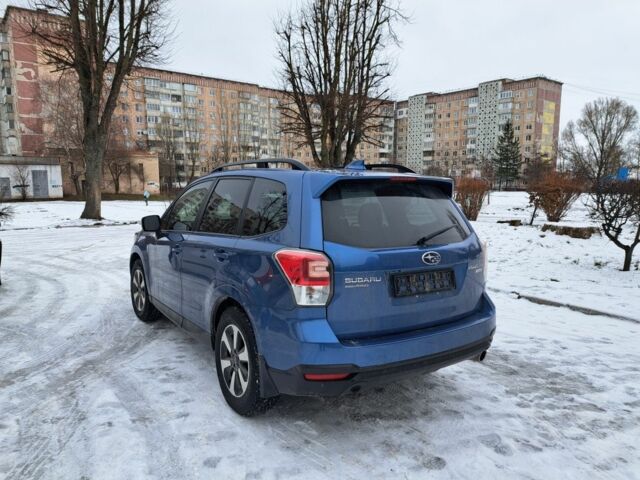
(142, 306)
(237, 364)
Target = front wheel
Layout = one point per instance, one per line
(142, 307)
(237, 364)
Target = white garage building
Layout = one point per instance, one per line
(39, 177)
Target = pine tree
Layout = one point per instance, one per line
(507, 157)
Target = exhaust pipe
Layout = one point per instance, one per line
(480, 357)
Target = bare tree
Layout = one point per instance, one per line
(596, 146)
(227, 139)
(117, 167)
(168, 135)
(334, 72)
(487, 173)
(195, 145)
(214, 158)
(101, 40)
(6, 212)
(62, 108)
(62, 111)
(617, 206)
(21, 178)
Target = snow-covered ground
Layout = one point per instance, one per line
(87, 391)
(61, 214)
(579, 272)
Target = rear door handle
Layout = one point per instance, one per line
(221, 254)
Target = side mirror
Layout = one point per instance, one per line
(151, 223)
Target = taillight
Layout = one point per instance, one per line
(308, 274)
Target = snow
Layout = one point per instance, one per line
(60, 214)
(555, 267)
(88, 391)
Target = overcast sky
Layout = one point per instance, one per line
(592, 46)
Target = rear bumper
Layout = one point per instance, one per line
(309, 346)
(292, 381)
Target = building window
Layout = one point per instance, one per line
(531, 92)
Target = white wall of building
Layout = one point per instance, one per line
(54, 180)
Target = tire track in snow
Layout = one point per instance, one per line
(47, 343)
(164, 461)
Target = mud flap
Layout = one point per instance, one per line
(267, 386)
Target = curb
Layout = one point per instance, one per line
(576, 308)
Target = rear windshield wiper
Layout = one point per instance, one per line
(426, 238)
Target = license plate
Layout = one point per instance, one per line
(407, 284)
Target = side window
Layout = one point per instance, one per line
(266, 209)
(185, 210)
(225, 206)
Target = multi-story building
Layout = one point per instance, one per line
(400, 138)
(194, 122)
(453, 132)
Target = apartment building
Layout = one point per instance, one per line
(199, 121)
(453, 132)
(194, 122)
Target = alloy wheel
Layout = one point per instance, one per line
(138, 290)
(234, 360)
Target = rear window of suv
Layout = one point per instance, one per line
(388, 214)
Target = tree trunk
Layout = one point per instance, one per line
(93, 153)
(628, 254)
(76, 184)
(533, 214)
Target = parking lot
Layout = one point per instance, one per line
(88, 391)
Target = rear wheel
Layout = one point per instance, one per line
(237, 364)
(142, 306)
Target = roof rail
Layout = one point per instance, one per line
(264, 163)
(360, 165)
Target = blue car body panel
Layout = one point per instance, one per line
(190, 274)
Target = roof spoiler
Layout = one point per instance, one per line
(359, 165)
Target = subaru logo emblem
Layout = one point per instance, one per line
(431, 258)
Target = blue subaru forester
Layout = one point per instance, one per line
(316, 282)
